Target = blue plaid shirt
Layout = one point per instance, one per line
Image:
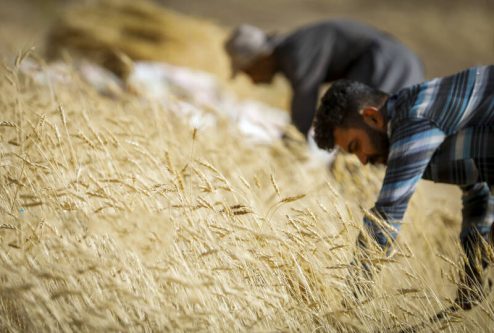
(441, 130)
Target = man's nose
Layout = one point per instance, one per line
(363, 158)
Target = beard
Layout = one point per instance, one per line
(380, 143)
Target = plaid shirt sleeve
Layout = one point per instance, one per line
(413, 144)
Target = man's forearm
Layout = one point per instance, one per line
(478, 208)
(413, 146)
(303, 109)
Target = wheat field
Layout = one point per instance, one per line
(118, 215)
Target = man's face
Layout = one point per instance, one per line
(261, 71)
(369, 144)
(258, 75)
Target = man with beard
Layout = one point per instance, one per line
(441, 130)
(321, 53)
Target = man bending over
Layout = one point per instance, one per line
(321, 53)
(441, 130)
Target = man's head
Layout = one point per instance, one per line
(349, 117)
(250, 51)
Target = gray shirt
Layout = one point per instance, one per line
(341, 49)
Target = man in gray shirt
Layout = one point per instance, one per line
(321, 53)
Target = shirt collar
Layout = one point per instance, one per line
(388, 111)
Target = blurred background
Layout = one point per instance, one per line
(447, 35)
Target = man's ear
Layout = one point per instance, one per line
(373, 117)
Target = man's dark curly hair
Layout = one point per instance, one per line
(339, 108)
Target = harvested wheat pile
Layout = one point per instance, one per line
(141, 30)
(107, 29)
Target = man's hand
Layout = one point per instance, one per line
(364, 267)
(474, 287)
